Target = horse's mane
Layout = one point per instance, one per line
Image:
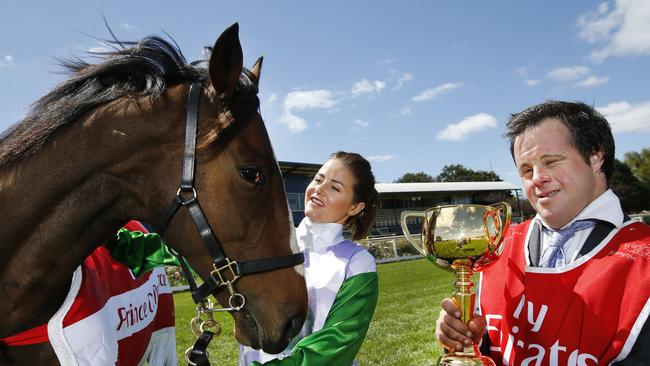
(134, 69)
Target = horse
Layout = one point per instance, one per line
(111, 144)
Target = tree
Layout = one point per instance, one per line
(634, 195)
(459, 173)
(414, 178)
(639, 163)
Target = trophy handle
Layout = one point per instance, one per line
(503, 225)
(407, 234)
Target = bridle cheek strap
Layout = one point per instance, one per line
(225, 271)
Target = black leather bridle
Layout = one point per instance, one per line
(186, 197)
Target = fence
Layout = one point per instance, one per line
(383, 248)
(390, 248)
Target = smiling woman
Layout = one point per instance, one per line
(341, 276)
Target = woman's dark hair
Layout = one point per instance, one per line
(590, 131)
(364, 191)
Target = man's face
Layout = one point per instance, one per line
(557, 180)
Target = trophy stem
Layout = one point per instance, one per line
(464, 296)
(465, 299)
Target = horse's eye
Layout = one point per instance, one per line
(252, 175)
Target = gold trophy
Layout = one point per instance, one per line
(464, 239)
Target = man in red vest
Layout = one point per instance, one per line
(572, 286)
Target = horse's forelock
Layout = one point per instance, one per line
(145, 68)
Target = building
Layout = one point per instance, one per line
(397, 197)
(296, 179)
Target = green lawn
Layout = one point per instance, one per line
(402, 330)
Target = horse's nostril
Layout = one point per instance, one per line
(293, 326)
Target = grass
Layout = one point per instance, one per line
(401, 333)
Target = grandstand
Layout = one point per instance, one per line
(398, 197)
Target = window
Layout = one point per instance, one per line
(296, 201)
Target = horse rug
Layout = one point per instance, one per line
(112, 318)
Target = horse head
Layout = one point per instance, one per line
(245, 211)
(109, 145)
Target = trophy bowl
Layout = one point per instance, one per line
(462, 238)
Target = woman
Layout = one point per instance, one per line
(341, 276)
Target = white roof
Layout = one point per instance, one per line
(443, 187)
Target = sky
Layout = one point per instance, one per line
(411, 85)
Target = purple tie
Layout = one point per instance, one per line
(553, 255)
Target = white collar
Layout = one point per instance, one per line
(605, 207)
(318, 237)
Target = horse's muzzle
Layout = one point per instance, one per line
(270, 342)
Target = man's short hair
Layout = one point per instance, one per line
(589, 130)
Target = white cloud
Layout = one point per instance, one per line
(567, 74)
(366, 87)
(459, 131)
(592, 81)
(126, 26)
(361, 123)
(293, 122)
(625, 117)
(402, 80)
(272, 98)
(7, 60)
(406, 111)
(522, 73)
(98, 49)
(302, 100)
(380, 158)
(436, 92)
(621, 31)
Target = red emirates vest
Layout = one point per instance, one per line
(587, 313)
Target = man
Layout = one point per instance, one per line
(572, 285)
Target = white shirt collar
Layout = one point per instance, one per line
(318, 237)
(605, 207)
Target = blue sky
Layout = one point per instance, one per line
(411, 85)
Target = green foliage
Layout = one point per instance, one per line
(401, 333)
(175, 276)
(452, 173)
(639, 163)
(460, 173)
(420, 177)
(634, 195)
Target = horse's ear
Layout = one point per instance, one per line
(257, 70)
(226, 61)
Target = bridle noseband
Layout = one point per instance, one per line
(186, 197)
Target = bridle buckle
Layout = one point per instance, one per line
(217, 273)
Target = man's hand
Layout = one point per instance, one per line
(452, 333)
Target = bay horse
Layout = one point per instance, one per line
(109, 145)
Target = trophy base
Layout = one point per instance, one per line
(459, 360)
